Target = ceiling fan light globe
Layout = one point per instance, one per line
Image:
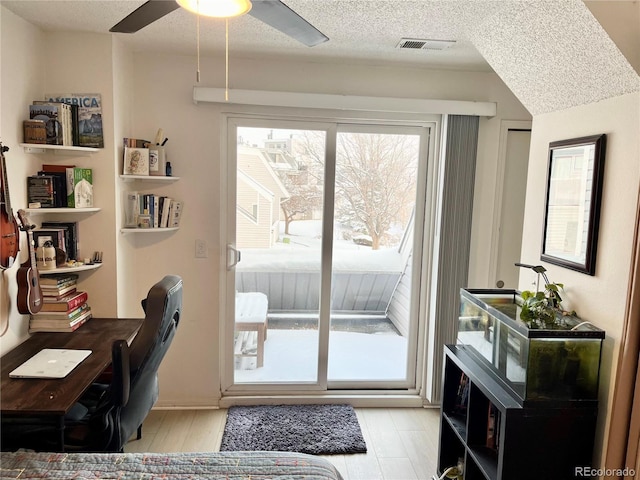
(216, 8)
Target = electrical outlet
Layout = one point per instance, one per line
(201, 249)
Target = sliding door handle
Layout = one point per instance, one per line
(233, 257)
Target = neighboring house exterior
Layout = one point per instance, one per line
(259, 193)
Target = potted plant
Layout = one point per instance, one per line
(543, 309)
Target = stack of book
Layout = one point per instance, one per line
(60, 186)
(160, 211)
(60, 121)
(64, 307)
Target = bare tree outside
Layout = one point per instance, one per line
(375, 181)
(304, 199)
(374, 187)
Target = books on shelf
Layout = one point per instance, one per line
(462, 395)
(58, 279)
(165, 206)
(71, 237)
(493, 428)
(79, 187)
(64, 117)
(53, 117)
(58, 294)
(60, 322)
(40, 191)
(135, 142)
(86, 117)
(175, 213)
(64, 304)
(60, 290)
(160, 211)
(59, 174)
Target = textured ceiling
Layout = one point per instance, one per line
(362, 31)
(553, 54)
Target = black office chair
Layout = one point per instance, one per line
(133, 391)
(163, 307)
(106, 417)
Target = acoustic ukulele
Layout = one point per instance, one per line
(29, 292)
(9, 233)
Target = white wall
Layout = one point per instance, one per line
(21, 59)
(36, 63)
(620, 19)
(123, 94)
(599, 299)
(83, 63)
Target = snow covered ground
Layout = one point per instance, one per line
(302, 252)
(292, 355)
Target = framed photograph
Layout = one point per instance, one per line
(572, 209)
(136, 161)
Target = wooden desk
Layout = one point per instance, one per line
(55, 397)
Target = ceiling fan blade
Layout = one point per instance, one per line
(281, 17)
(144, 15)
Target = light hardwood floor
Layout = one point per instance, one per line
(402, 443)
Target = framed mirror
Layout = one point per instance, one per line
(572, 209)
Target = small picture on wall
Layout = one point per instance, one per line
(572, 210)
(136, 161)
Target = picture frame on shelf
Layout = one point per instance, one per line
(136, 161)
(572, 202)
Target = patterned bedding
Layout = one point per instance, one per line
(166, 466)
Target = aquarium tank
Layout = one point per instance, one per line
(537, 364)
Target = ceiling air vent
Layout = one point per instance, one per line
(428, 44)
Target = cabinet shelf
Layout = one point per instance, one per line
(148, 230)
(458, 424)
(533, 440)
(80, 268)
(486, 460)
(148, 178)
(40, 148)
(44, 211)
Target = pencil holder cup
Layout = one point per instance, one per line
(157, 160)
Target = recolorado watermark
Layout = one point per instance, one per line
(590, 472)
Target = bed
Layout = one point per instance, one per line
(168, 466)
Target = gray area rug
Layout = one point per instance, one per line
(314, 429)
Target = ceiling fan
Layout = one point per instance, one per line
(272, 12)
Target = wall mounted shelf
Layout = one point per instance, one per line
(45, 211)
(80, 268)
(147, 230)
(40, 148)
(148, 178)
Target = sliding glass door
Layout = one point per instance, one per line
(375, 186)
(278, 230)
(325, 237)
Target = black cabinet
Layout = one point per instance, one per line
(498, 436)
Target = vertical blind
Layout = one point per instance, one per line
(461, 145)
